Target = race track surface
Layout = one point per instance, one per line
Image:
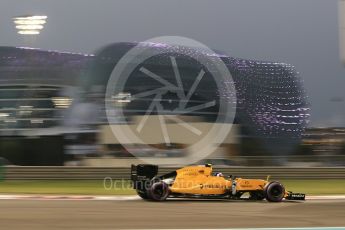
(102, 214)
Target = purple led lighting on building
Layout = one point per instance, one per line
(271, 101)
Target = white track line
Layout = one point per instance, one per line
(67, 197)
(118, 197)
(329, 197)
(294, 228)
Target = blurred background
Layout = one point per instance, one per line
(286, 58)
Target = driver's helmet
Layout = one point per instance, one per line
(219, 174)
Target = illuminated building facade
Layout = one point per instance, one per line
(39, 89)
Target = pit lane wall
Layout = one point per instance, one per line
(99, 173)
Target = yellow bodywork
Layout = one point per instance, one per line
(199, 180)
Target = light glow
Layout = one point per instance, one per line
(62, 102)
(30, 25)
(28, 32)
(4, 115)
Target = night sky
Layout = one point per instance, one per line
(303, 33)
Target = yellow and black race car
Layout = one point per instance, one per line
(200, 182)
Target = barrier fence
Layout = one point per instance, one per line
(99, 173)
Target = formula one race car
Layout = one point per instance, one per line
(200, 182)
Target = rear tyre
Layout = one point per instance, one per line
(159, 191)
(274, 192)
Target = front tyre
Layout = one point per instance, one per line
(274, 192)
(159, 191)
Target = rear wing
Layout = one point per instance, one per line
(143, 172)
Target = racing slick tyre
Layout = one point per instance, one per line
(159, 191)
(274, 191)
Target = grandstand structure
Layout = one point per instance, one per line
(50, 93)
